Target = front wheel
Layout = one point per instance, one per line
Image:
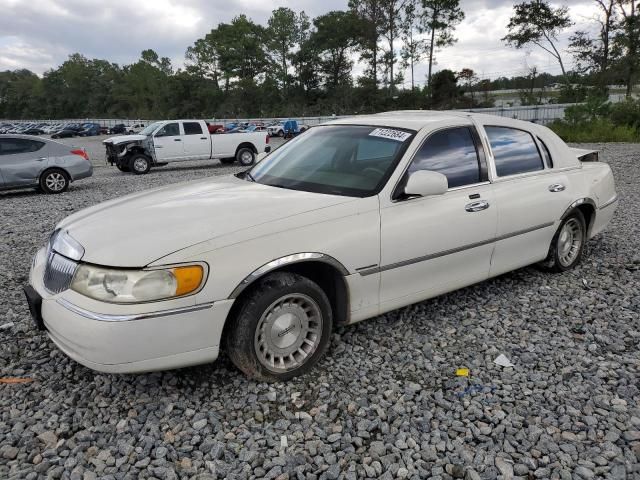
(567, 245)
(282, 328)
(140, 164)
(245, 157)
(54, 181)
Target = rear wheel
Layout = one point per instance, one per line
(140, 164)
(245, 156)
(567, 245)
(282, 328)
(54, 181)
(281, 133)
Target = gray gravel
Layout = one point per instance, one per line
(384, 403)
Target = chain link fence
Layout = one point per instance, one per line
(542, 114)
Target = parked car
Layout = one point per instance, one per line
(135, 128)
(286, 128)
(90, 130)
(32, 131)
(27, 161)
(179, 140)
(118, 129)
(346, 222)
(65, 132)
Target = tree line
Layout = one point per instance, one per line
(295, 65)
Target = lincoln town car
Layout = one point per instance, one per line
(345, 222)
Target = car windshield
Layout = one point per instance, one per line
(350, 160)
(150, 129)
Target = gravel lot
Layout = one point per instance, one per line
(384, 403)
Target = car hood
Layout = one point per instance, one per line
(135, 230)
(124, 139)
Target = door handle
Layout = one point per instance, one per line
(177, 139)
(41, 159)
(157, 146)
(203, 138)
(556, 187)
(476, 206)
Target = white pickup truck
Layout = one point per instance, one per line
(180, 140)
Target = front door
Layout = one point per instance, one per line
(168, 143)
(197, 143)
(430, 245)
(21, 161)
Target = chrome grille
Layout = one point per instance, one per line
(58, 273)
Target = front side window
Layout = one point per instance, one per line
(14, 146)
(451, 152)
(514, 151)
(192, 128)
(350, 160)
(169, 130)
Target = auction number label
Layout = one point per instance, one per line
(391, 134)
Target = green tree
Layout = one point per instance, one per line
(390, 29)
(371, 17)
(439, 19)
(413, 48)
(629, 42)
(283, 32)
(537, 23)
(445, 92)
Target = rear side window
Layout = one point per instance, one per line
(514, 151)
(13, 146)
(169, 130)
(192, 128)
(451, 152)
(546, 154)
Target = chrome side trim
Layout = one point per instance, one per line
(107, 317)
(451, 251)
(287, 260)
(610, 202)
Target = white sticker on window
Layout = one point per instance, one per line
(397, 135)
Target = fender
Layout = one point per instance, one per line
(580, 201)
(287, 260)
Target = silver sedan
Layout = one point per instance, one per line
(27, 161)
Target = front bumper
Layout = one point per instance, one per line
(129, 339)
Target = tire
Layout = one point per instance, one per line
(261, 343)
(227, 161)
(54, 181)
(140, 164)
(281, 133)
(567, 245)
(245, 156)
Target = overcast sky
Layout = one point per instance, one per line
(40, 34)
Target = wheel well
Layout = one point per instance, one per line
(326, 276)
(588, 212)
(247, 145)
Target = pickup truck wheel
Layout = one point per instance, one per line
(567, 245)
(140, 164)
(281, 133)
(245, 157)
(282, 328)
(227, 161)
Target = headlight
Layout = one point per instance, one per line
(135, 286)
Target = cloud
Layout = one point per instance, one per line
(40, 34)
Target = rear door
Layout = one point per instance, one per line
(168, 143)
(21, 161)
(197, 143)
(531, 197)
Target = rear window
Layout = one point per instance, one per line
(514, 151)
(192, 128)
(546, 154)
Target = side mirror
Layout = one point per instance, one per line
(425, 183)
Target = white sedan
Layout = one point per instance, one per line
(348, 221)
